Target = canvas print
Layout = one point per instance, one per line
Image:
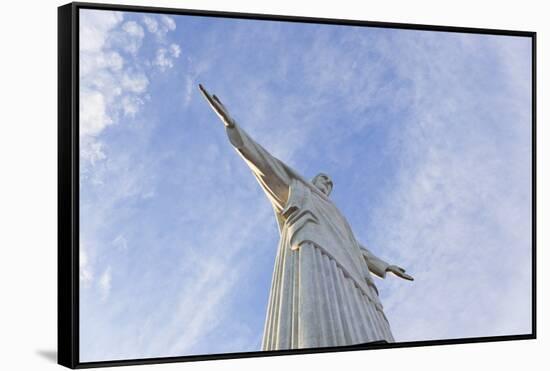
(252, 185)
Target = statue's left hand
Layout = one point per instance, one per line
(399, 272)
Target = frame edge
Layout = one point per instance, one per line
(67, 322)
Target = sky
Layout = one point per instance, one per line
(426, 135)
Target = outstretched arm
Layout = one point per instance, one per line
(380, 267)
(270, 172)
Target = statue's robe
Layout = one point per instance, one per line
(322, 293)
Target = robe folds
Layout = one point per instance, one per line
(322, 293)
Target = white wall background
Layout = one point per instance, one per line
(28, 165)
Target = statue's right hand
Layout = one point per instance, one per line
(218, 107)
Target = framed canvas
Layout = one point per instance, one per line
(242, 185)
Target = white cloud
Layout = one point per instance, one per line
(93, 113)
(131, 105)
(98, 61)
(150, 23)
(175, 50)
(120, 242)
(159, 25)
(112, 83)
(135, 83)
(131, 39)
(165, 57)
(188, 91)
(194, 70)
(91, 150)
(85, 270)
(162, 59)
(168, 22)
(105, 283)
(95, 27)
(134, 29)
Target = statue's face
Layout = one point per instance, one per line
(324, 183)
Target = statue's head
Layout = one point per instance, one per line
(323, 183)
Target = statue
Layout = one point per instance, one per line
(322, 293)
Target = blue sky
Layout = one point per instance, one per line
(426, 135)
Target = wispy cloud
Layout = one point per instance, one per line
(120, 242)
(105, 283)
(459, 214)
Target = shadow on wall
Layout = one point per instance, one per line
(50, 355)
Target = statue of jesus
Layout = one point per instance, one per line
(322, 292)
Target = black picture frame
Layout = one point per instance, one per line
(68, 182)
